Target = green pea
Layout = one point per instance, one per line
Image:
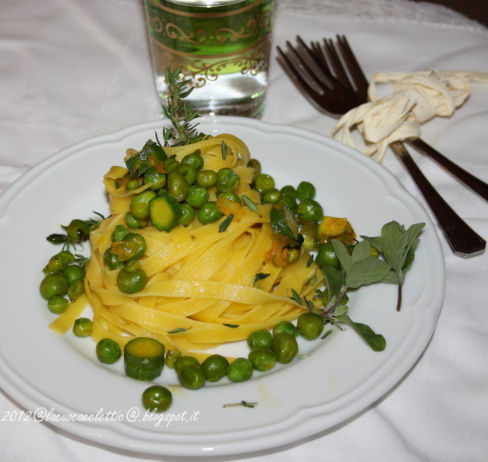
(139, 204)
(171, 357)
(305, 190)
(132, 184)
(240, 370)
(194, 160)
(171, 164)
(309, 209)
(83, 327)
(134, 223)
(289, 191)
(155, 179)
(285, 347)
(293, 255)
(260, 339)
(310, 325)
(285, 326)
(188, 173)
(191, 377)
(131, 282)
(256, 165)
(197, 196)
(58, 262)
(289, 202)
(326, 256)
(177, 185)
(53, 284)
(108, 351)
(157, 398)
(206, 178)
(272, 196)
(73, 273)
(262, 359)
(78, 231)
(227, 180)
(183, 361)
(136, 245)
(132, 265)
(57, 304)
(111, 260)
(187, 214)
(76, 289)
(230, 196)
(209, 212)
(119, 233)
(215, 367)
(264, 182)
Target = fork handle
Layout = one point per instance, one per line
(467, 178)
(463, 240)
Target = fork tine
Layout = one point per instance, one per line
(296, 77)
(336, 63)
(355, 70)
(321, 60)
(310, 61)
(302, 67)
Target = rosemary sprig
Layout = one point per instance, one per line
(182, 131)
(242, 403)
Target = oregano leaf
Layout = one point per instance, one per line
(394, 241)
(366, 271)
(361, 251)
(376, 341)
(344, 258)
(334, 279)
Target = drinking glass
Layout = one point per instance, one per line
(222, 46)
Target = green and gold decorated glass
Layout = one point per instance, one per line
(223, 46)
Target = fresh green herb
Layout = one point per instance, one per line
(178, 330)
(309, 304)
(250, 204)
(296, 296)
(283, 222)
(310, 261)
(376, 341)
(182, 131)
(81, 260)
(260, 276)
(94, 223)
(358, 267)
(225, 224)
(242, 403)
(326, 334)
(397, 245)
(224, 150)
(233, 326)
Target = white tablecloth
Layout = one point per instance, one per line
(71, 69)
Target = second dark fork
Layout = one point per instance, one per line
(323, 62)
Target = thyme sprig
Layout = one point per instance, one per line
(180, 114)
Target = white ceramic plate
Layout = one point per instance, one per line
(59, 377)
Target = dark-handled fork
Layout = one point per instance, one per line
(318, 72)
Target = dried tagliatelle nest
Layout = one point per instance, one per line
(417, 98)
